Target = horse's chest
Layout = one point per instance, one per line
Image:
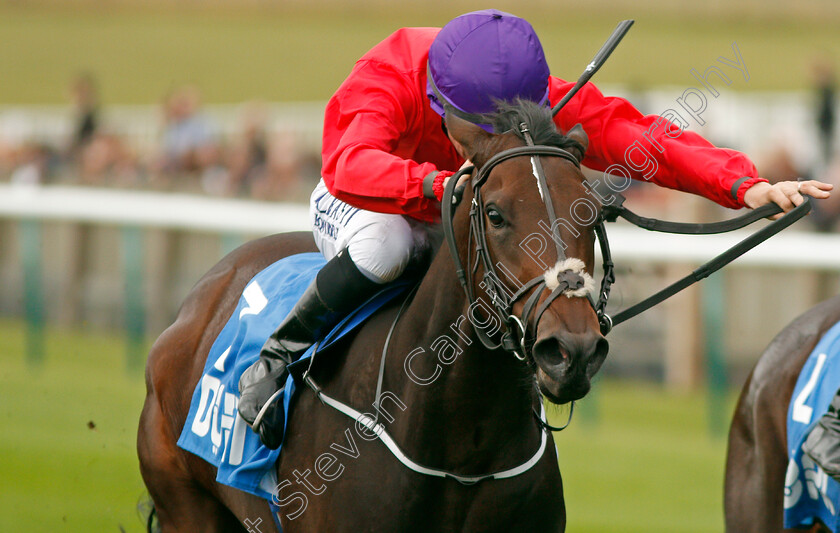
(341, 482)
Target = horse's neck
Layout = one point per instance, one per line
(472, 412)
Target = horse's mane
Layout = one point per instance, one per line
(540, 121)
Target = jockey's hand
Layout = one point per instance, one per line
(462, 181)
(786, 194)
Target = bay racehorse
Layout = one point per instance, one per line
(757, 458)
(464, 408)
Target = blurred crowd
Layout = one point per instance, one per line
(779, 157)
(778, 162)
(190, 152)
(255, 159)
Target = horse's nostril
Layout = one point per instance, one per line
(550, 351)
(583, 349)
(599, 353)
(602, 348)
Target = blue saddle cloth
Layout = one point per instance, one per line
(213, 429)
(809, 492)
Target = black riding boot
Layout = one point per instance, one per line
(823, 443)
(338, 288)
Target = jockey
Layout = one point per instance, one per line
(387, 157)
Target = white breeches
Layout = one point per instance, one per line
(381, 245)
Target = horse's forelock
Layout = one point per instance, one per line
(539, 119)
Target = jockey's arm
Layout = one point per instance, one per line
(368, 122)
(659, 149)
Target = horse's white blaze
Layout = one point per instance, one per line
(537, 176)
(575, 265)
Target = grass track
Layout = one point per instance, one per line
(647, 465)
(57, 474)
(237, 54)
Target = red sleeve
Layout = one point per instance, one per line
(653, 147)
(374, 115)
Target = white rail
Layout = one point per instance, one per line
(150, 209)
(790, 249)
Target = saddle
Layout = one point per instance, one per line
(213, 429)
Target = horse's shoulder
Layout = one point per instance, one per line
(779, 366)
(359, 354)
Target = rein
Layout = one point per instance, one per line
(611, 212)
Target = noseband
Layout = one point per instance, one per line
(568, 277)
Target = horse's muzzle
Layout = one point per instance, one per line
(567, 362)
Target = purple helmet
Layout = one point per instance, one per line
(482, 57)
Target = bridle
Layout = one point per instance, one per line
(520, 331)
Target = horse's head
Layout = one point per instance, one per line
(536, 219)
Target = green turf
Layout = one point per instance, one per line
(56, 472)
(647, 465)
(237, 54)
(636, 459)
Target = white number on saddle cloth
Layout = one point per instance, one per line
(255, 298)
(801, 412)
(217, 416)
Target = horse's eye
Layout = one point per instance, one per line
(495, 217)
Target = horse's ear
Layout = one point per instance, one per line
(472, 138)
(577, 134)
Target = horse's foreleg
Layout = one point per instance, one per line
(756, 463)
(742, 491)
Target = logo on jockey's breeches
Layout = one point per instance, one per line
(334, 209)
(325, 228)
(332, 214)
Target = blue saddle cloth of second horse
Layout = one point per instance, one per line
(213, 429)
(810, 493)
